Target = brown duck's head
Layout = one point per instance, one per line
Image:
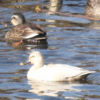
(18, 18)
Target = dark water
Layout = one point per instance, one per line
(73, 41)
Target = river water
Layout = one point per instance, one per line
(73, 41)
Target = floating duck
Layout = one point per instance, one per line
(23, 30)
(93, 8)
(54, 72)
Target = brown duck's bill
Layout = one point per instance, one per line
(25, 63)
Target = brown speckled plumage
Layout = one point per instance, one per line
(93, 8)
(19, 32)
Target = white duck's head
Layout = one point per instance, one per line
(36, 58)
(18, 18)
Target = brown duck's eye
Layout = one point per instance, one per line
(13, 18)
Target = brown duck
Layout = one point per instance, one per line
(24, 30)
(93, 8)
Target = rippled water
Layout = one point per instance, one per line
(73, 41)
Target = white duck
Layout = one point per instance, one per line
(54, 72)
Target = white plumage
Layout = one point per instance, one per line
(54, 72)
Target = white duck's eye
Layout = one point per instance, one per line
(31, 57)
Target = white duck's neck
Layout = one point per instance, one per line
(34, 68)
(38, 62)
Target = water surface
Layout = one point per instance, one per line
(73, 41)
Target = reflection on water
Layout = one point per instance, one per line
(55, 6)
(72, 41)
(95, 25)
(53, 88)
(28, 46)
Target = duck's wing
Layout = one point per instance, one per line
(25, 31)
(60, 72)
(32, 30)
(37, 28)
(29, 33)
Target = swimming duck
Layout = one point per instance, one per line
(23, 30)
(93, 8)
(54, 72)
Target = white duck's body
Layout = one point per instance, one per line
(54, 72)
(57, 72)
